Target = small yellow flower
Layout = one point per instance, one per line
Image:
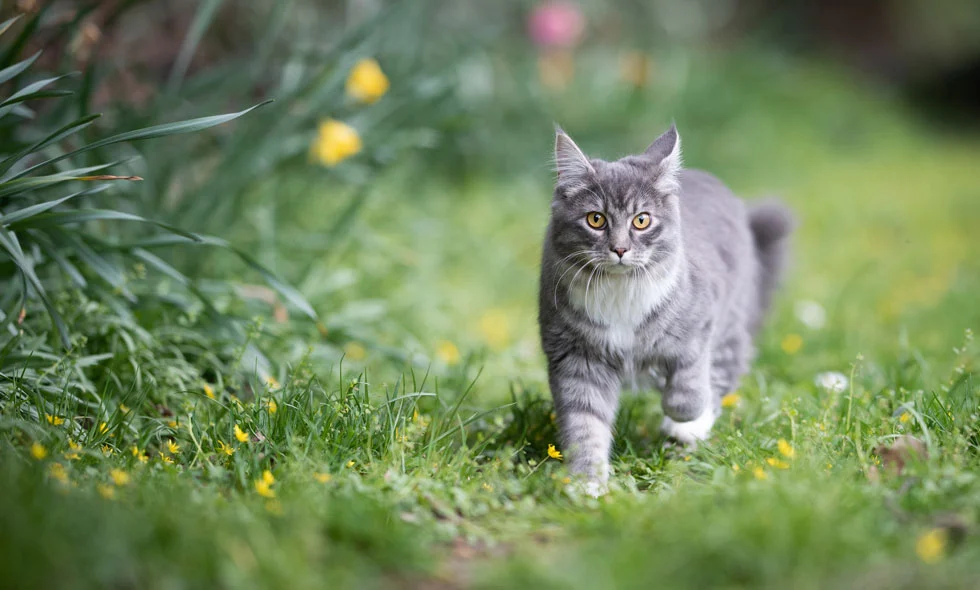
(268, 478)
(103, 428)
(487, 487)
(264, 489)
(240, 434)
(553, 452)
(172, 447)
(226, 449)
(272, 382)
(165, 458)
(138, 454)
(350, 463)
(322, 477)
(335, 142)
(931, 546)
(366, 82)
(172, 424)
(905, 417)
(415, 415)
(786, 449)
(38, 451)
(777, 463)
(759, 473)
(55, 420)
(495, 328)
(106, 491)
(792, 343)
(209, 391)
(73, 447)
(736, 468)
(119, 477)
(57, 471)
(566, 480)
(354, 351)
(272, 406)
(124, 408)
(731, 400)
(447, 352)
(107, 450)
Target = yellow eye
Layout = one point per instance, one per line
(642, 221)
(596, 220)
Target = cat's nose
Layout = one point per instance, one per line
(620, 251)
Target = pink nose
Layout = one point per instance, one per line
(620, 251)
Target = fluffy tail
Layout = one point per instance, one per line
(771, 223)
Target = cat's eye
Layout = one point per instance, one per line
(642, 221)
(596, 220)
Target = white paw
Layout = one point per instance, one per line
(595, 488)
(689, 433)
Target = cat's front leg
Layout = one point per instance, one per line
(688, 411)
(586, 394)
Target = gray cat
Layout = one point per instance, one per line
(649, 270)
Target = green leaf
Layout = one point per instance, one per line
(17, 68)
(31, 211)
(8, 241)
(26, 93)
(6, 24)
(69, 129)
(16, 186)
(59, 218)
(155, 131)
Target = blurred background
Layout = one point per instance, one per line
(387, 207)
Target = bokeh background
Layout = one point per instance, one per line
(383, 215)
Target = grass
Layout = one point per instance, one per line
(394, 463)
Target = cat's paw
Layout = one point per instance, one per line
(689, 433)
(588, 487)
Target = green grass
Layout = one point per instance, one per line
(398, 467)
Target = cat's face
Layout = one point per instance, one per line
(616, 217)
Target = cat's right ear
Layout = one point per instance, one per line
(570, 162)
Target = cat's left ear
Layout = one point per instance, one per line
(665, 153)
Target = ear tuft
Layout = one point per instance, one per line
(665, 152)
(570, 162)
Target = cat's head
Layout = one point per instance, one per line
(620, 216)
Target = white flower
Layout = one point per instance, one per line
(832, 381)
(811, 313)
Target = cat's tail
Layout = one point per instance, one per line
(771, 223)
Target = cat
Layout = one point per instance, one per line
(649, 269)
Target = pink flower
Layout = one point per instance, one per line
(556, 24)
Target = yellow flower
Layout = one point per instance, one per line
(786, 449)
(209, 391)
(138, 454)
(103, 428)
(119, 477)
(74, 447)
(124, 408)
(165, 458)
(107, 450)
(272, 382)
(55, 420)
(226, 449)
(172, 447)
(495, 327)
(931, 546)
(566, 480)
(487, 487)
(272, 406)
(553, 452)
(792, 343)
(354, 351)
(905, 417)
(350, 463)
(736, 468)
(777, 463)
(447, 352)
(106, 491)
(322, 477)
(172, 424)
(268, 478)
(57, 471)
(731, 400)
(335, 142)
(366, 82)
(264, 489)
(759, 473)
(38, 451)
(240, 434)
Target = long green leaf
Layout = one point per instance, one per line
(15, 186)
(109, 272)
(8, 241)
(31, 211)
(163, 130)
(59, 218)
(6, 24)
(26, 93)
(17, 68)
(69, 129)
(195, 32)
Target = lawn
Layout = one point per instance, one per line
(402, 439)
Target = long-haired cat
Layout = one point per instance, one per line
(649, 269)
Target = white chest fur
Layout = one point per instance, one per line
(620, 303)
